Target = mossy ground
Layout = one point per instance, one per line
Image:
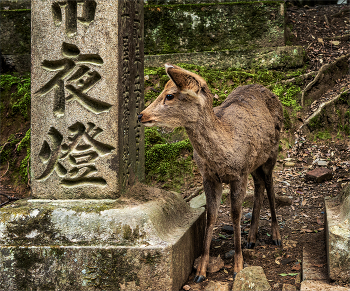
(15, 130)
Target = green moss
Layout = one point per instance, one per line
(288, 95)
(324, 135)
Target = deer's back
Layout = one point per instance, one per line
(253, 115)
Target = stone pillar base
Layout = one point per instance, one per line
(338, 236)
(148, 242)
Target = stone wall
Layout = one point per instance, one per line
(171, 26)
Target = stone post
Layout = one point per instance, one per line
(87, 88)
(91, 225)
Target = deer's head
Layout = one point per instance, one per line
(184, 98)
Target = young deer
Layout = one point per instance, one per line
(237, 138)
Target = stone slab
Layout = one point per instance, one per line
(87, 88)
(265, 58)
(125, 244)
(313, 266)
(338, 236)
(251, 278)
(311, 285)
(319, 175)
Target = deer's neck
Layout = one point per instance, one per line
(208, 136)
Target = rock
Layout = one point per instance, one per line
(217, 286)
(288, 287)
(198, 201)
(251, 278)
(322, 163)
(229, 254)
(289, 164)
(248, 216)
(215, 264)
(319, 175)
(227, 228)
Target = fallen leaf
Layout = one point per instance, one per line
(225, 271)
(216, 96)
(335, 42)
(319, 221)
(304, 202)
(186, 287)
(320, 40)
(296, 267)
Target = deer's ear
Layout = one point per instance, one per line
(183, 79)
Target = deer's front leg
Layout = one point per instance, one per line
(238, 189)
(213, 192)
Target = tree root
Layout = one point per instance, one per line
(340, 13)
(319, 109)
(303, 77)
(194, 194)
(8, 166)
(320, 75)
(9, 199)
(339, 37)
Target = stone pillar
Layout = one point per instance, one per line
(87, 89)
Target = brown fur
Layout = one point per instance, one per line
(235, 139)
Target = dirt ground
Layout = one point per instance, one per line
(302, 222)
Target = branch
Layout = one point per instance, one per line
(8, 166)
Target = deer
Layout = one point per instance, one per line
(231, 141)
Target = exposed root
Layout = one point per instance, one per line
(303, 77)
(341, 13)
(9, 199)
(320, 75)
(319, 109)
(194, 194)
(8, 166)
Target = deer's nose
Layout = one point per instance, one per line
(139, 117)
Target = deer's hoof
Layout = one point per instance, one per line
(198, 279)
(250, 245)
(277, 242)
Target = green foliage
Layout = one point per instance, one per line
(288, 95)
(20, 99)
(164, 161)
(323, 135)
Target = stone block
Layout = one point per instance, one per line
(218, 26)
(264, 58)
(251, 278)
(146, 242)
(338, 236)
(87, 89)
(319, 175)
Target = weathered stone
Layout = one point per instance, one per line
(314, 267)
(137, 243)
(338, 236)
(289, 164)
(198, 201)
(217, 286)
(310, 285)
(269, 57)
(87, 89)
(288, 287)
(228, 26)
(251, 278)
(215, 264)
(229, 254)
(319, 175)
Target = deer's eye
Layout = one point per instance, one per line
(169, 97)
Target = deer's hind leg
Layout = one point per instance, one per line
(213, 193)
(259, 187)
(238, 190)
(267, 168)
